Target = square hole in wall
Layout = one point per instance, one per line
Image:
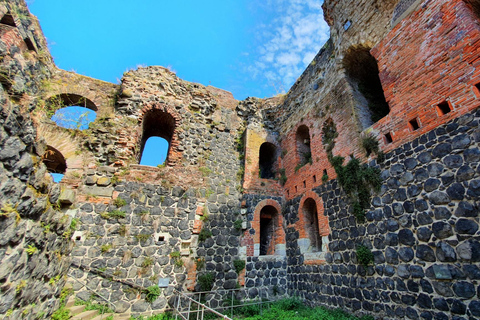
(78, 238)
(161, 238)
(388, 138)
(443, 108)
(413, 124)
(314, 178)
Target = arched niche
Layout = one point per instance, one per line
(312, 227)
(362, 70)
(304, 151)
(268, 160)
(269, 235)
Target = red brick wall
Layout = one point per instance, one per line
(431, 56)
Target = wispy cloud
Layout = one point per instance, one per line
(290, 41)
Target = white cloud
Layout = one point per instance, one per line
(290, 41)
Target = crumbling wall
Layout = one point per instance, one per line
(35, 232)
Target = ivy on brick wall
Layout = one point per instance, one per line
(357, 180)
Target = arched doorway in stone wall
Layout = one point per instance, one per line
(313, 227)
(267, 223)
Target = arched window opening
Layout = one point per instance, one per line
(362, 69)
(159, 126)
(311, 225)
(8, 20)
(268, 217)
(267, 161)
(155, 152)
(71, 111)
(303, 145)
(55, 162)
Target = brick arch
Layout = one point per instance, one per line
(279, 232)
(323, 227)
(65, 144)
(72, 99)
(173, 122)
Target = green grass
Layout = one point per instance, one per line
(293, 309)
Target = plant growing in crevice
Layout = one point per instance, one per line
(119, 202)
(152, 293)
(200, 263)
(238, 224)
(142, 237)
(357, 180)
(204, 234)
(206, 281)
(370, 144)
(239, 265)
(364, 256)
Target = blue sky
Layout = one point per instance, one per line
(249, 47)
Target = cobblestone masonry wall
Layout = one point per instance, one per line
(423, 229)
(34, 232)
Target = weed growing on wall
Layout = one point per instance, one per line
(239, 265)
(152, 293)
(370, 144)
(206, 281)
(204, 234)
(364, 256)
(357, 180)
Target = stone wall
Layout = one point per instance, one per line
(34, 230)
(422, 228)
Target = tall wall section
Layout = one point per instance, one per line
(34, 231)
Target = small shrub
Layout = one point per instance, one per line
(179, 263)
(239, 265)
(142, 237)
(73, 224)
(21, 286)
(200, 263)
(175, 255)
(148, 262)
(364, 256)
(325, 178)
(119, 202)
(152, 293)
(206, 281)
(117, 214)
(204, 234)
(123, 230)
(370, 144)
(238, 224)
(31, 249)
(106, 248)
